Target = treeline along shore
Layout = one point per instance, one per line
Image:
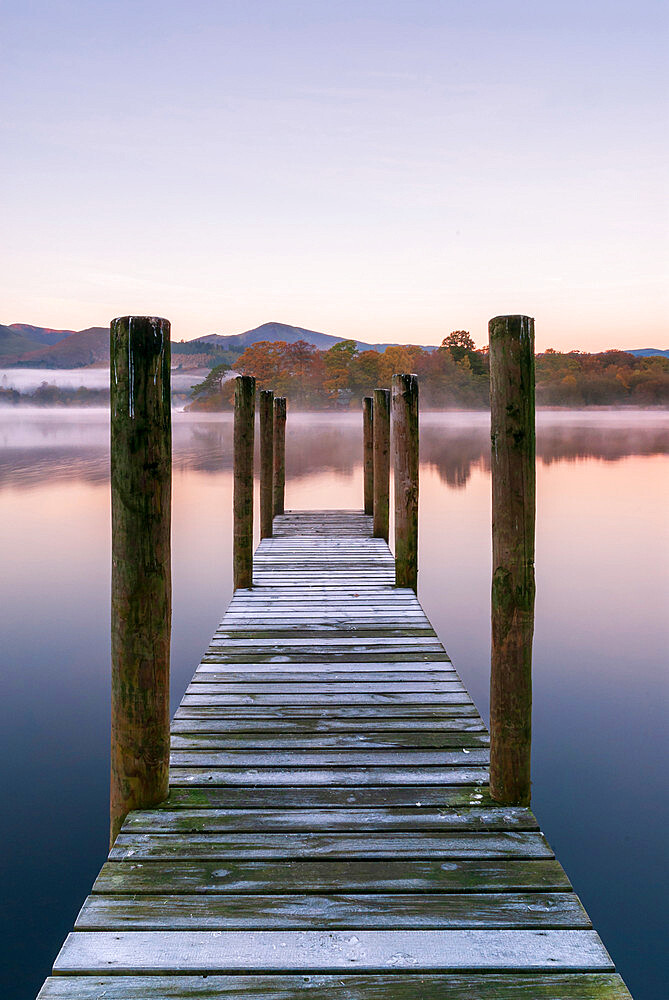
(454, 376)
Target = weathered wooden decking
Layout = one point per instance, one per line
(329, 833)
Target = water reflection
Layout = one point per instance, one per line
(600, 645)
(36, 446)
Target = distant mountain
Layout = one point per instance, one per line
(648, 352)
(12, 343)
(77, 350)
(281, 331)
(42, 347)
(40, 334)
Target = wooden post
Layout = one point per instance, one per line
(404, 404)
(266, 462)
(244, 429)
(513, 520)
(368, 452)
(279, 486)
(141, 588)
(381, 463)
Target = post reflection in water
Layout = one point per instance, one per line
(600, 641)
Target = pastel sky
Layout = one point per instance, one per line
(389, 171)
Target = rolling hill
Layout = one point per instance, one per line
(40, 334)
(41, 347)
(648, 352)
(76, 350)
(13, 343)
(280, 331)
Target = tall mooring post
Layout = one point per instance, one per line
(242, 503)
(141, 586)
(266, 462)
(404, 411)
(279, 483)
(368, 452)
(513, 587)
(381, 463)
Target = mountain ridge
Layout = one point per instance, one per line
(273, 331)
(24, 345)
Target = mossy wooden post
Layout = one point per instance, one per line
(404, 411)
(244, 429)
(279, 483)
(368, 452)
(141, 587)
(381, 463)
(513, 521)
(266, 408)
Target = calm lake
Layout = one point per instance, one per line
(601, 695)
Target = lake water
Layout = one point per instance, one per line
(600, 708)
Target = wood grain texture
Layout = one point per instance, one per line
(323, 951)
(355, 876)
(242, 502)
(551, 911)
(141, 590)
(266, 413)
(381, 463)
(279, 455)
(332, 797)
(368, 453)
(194, 820)
(362, 844)
(404, 415)
(409, 986)
(513, 587)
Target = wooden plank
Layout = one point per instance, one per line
(199, 695)
(173, 912)
(323, 951)
(333, 758)
(241, 730)
(351, 876)
(329, 796)
(383, 660)
(332, 656)
(212, 674)
(350, 776)
(417, 643)
(408, 986)
(334, 611)
(330, 819)
(257, 846)
(185, 739)
(296, 635)
(283, 622)
(351, 716)
(224, 664)
(219, 684)
(324, 601)
(428, 669)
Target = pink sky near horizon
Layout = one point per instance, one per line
(383, 171)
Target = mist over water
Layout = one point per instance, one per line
(600, 708)
(26, 380)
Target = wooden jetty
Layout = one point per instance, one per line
(329, 831)
(327, 817)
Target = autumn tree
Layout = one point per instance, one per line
(454, 375)
(266, 361)
(338, 361)
(459, 343)
(364, 373)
